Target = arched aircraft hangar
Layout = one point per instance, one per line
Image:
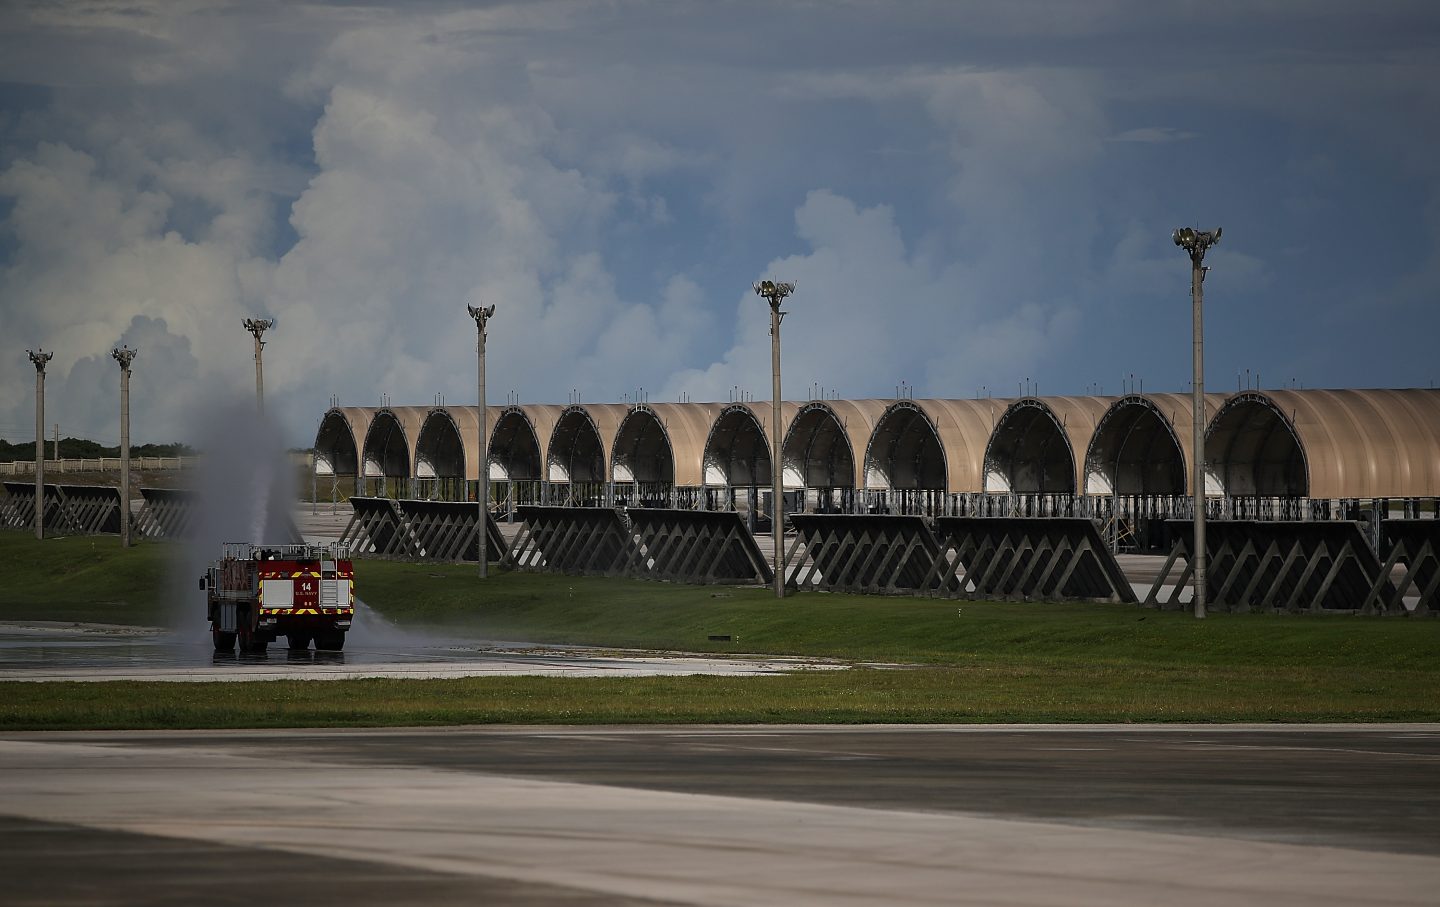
(386, 455)
(1327, 445)
(517, 453)
(657, 459)
(1141, 446)
(1302, 454)
(822, 455)
(736, 459)
(1037, 448)
(905, 458)
(337, 447)
(440, 452)
(1252, 449)
(1139, 462)
(642, 460)
(577, 458)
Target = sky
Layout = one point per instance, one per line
(972, 198)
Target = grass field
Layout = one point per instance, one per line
(84, 579)
(1021, 691)
(543, 608)
(964, 661)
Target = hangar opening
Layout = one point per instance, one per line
(1135, 451)
(1029, 454)
(440, 458)
(1135, 463)
(576, 460)
(905, 463)
(336, 455)
(737, 463)
(817, 459)
(1252, 450)
(387, 455)
(643, 463)
(515, 461)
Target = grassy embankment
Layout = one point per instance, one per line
(87, 579)
(973, 661)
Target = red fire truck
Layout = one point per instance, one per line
(256, 593)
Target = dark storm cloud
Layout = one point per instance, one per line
(967, 194)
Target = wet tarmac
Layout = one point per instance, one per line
(36, 651)
(985, 815)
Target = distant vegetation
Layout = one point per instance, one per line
(85, 449)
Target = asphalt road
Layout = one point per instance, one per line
(1273, 815)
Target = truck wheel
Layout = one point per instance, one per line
(224, 642)
(330, 641)
(298, 641)
(252, 644)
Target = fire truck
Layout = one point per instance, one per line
(256, 593)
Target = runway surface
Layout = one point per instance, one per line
(725, 816)
(38, 652)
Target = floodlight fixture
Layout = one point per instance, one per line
(481, 314)
(774, 291)
(1196, 242)
(259, 326)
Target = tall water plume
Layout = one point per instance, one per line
(243, 488)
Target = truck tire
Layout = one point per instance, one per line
(298, 642)
(224, 642)
(330, 640)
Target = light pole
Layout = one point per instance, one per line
(1195, 243)
(41, 359)
(257, 327)
(482, 314)
(775, 293)
(124, 356)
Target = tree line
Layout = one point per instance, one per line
(85, 449)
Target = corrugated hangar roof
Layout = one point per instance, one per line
(1328, 443)
(1315, 443)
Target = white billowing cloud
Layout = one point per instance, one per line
(420, 208)
(868, 313)
(96, 264)
(435, 184)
